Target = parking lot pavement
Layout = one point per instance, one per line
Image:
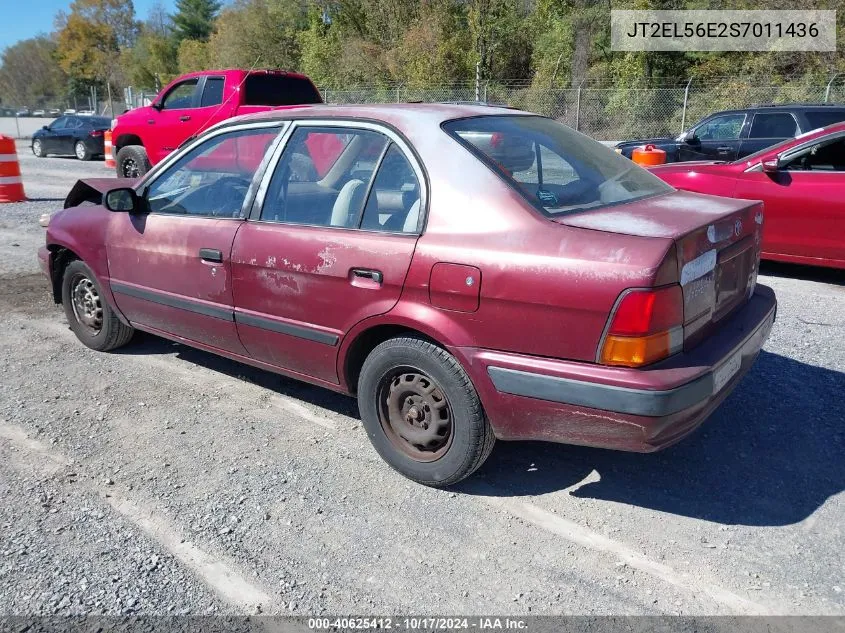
(161, 479)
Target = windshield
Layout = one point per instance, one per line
(554, 167)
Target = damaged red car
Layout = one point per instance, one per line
(467, 272)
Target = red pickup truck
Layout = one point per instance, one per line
(196, 101)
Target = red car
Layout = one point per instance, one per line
(192, 103)
(468, 272)
(799, 182)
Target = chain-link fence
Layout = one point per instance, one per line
(605, 110)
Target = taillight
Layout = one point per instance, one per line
(646, 326)
(95, 133)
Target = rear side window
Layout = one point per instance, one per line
(212, 94)
(279, 90)
(773, 125)
(823, 118)
(557, 169)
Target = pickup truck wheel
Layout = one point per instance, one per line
(422, 413)
(88, 312)
(81, 151)
(132, 162)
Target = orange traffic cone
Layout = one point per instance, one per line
(11, 184)
(110, 162)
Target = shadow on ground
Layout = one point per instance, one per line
(806, 273)
(772, 454)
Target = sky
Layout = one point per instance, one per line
(21, 19)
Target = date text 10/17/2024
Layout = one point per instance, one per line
(418, 623)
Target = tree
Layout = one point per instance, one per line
(194, 55)
(262, 32)
(91, 37)
(154, 59)
(29, 74)
(194, 19)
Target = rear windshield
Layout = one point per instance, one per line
(279, 90)
(823, 118)
(557, 169)
(98, 122)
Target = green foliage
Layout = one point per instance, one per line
(193, 55)
(29, 74)
(194, 19)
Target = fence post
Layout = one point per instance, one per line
(578, 107)
(829, 84)
(684, 111)
(486, 85)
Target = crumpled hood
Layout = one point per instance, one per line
(92, 190)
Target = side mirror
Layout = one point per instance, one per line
(691, 139)
(123, 200)
(771, 166)
(156, 105)
(45, 128)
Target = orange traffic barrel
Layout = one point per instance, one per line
(110, 162)
(11, 184)
(648, 155)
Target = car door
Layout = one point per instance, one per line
(320, 253)
(170, 267)
(173, 118)
(49, 141)
(804, 217)
(767, 129)
(717, 138)
(67, 139)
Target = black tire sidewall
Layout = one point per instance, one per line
(458, 461)
(94, 341)
(136, 153)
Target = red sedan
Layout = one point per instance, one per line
(469, 273)
(800, 183)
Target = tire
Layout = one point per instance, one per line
(132, 161)
(81, 151)
(103, 334)
(391, 377)
(38, 149)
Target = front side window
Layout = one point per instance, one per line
(773, 125)
(212, 179)
(824, 156)
(721, 128)
(323, 177)
(59, 124)
(181, 96)
(557, 169)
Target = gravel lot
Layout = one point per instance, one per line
(163, 480)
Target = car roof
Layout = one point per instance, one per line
(404, 116)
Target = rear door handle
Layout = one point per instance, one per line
(211, 255)
(185, 117)
(366, 273)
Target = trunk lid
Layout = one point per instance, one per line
(717, 248)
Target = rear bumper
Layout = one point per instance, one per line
(643, 410)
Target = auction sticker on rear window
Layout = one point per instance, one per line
(728, 370)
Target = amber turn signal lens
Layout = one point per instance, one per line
(636, 351)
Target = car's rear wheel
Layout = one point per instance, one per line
(81, 151)
(132, 162)
(88, 312)
(38, 149)
(422, 413)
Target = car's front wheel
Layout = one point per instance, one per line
(38, 149)
(422, 413)
(81, 151)
(132, 161)
(88, 312)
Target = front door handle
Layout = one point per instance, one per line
(151, 121)
(211, 255)
(185, 117)
(723, 150)
(366, 273)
